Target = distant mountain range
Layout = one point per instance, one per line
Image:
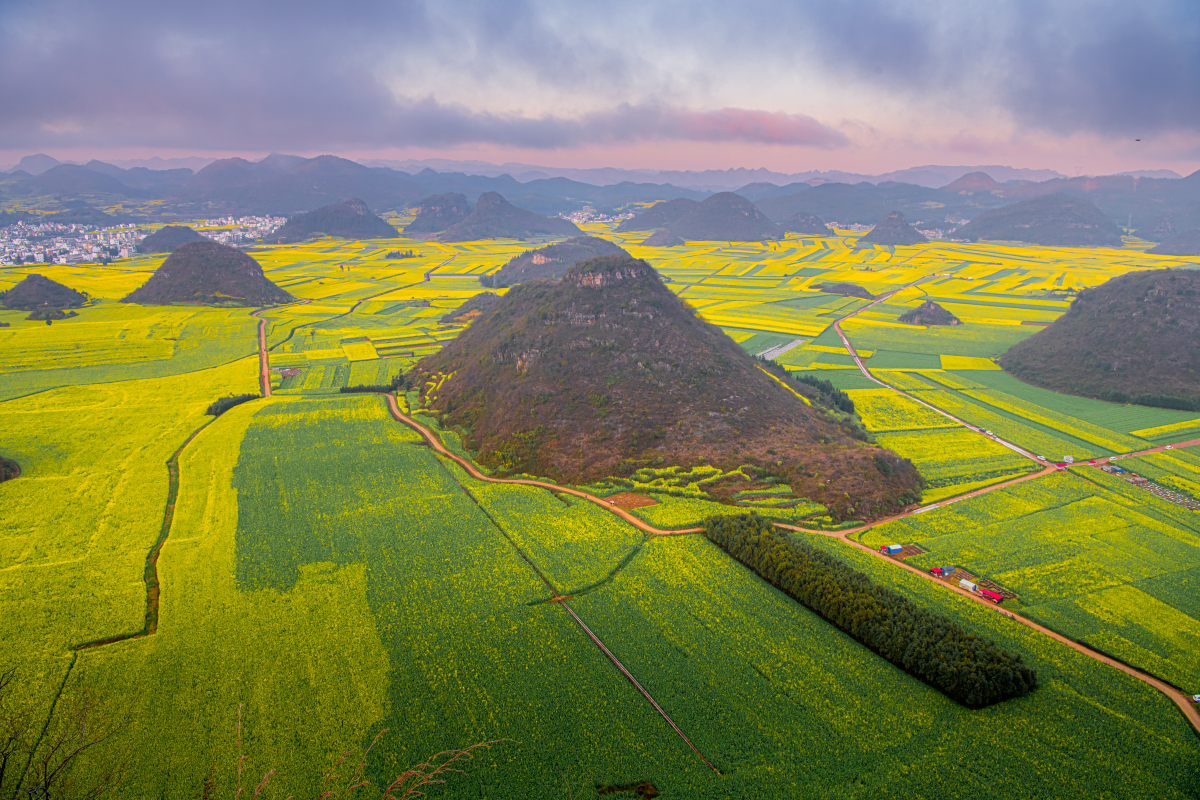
(290, 185)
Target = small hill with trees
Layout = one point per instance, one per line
(1159, 229)
(496, 218)
(37, 291)
(847, 289)
(807, 223)
(929, 313)
(350, 220)
(9, 469)
(894, 229)
(663, 238)
(1054, 220)
(1186, 243)
(607, 370)
(1135, 338)
(659, 215)
(438, 212)
(725, 216)
(164, 240)
(552, 261)
(209, 272)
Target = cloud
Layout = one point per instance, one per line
(309, 75)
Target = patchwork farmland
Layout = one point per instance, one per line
(331, 571)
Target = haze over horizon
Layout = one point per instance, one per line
(862, 87)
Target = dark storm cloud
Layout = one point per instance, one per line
(318, 75)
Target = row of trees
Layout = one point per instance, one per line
(828, 394)
(930, 647)
(222, 404)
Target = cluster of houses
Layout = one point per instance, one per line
(55, 243)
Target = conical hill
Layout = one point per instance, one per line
(587, 377)
(208, 272)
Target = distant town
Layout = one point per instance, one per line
(54, 243)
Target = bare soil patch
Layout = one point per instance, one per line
(630, 500)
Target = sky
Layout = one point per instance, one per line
(866, 86)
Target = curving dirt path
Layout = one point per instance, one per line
(436, 444)
(1190, 712)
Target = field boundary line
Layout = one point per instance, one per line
(561, 600)
(150, 574)
(616, 662)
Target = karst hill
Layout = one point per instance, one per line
(971, 183)
(495, 218)
(208, 272)
(552, 261)
(166, 239)
(662, 238)
(929, 313)
(1136, 337)
(349, 220)
(37, 291)
(581, 378)
(808, 223)
(438, 212)
(659, 215)
(724, 216)
(893, 230)
(1054, 220)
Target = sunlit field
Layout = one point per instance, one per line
(324, 567)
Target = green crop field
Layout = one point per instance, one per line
(327, 571)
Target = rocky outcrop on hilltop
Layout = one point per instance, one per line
(552, 261)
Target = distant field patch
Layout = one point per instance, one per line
(887, 410)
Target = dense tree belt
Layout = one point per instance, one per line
(928, 646)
